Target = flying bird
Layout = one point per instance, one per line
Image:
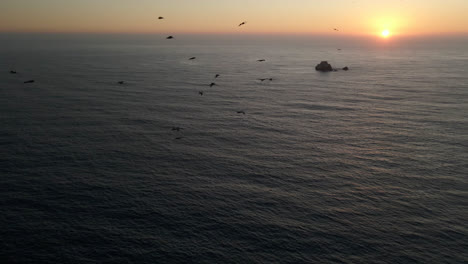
(241, 112)
(270, 79)
(261, 60)
(200, 93)
(29, 81)
(192, 58)
(170, 37)
(120, 82)
(178, 138)
(335, 29)
(160, 17)
(262, 79)
(13, 72)
(243, 23)
(216, 76)
(212, 84)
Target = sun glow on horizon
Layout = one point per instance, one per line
(385, 33)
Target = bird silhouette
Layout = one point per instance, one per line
(243, 23)
(200, 93)
(261, 60)
(335, 29)
(120, 82)
(212, 84)
(216, 76)
(170, 37)
(262, 79)
(270, 79)
(160, 17)
(192, 58)
(29, 81)
(13, 72)
(241, 112)
(176, 128)
(179, 138)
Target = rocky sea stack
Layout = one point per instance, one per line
(324, 66)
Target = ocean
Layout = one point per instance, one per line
(368, 165)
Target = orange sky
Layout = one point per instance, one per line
(352, 17)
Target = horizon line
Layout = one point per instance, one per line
(329, 34)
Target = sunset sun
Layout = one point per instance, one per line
(385, 33)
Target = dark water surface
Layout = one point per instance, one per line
(364, 166)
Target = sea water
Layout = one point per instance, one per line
(368, 165)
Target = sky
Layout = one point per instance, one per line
(350, 17)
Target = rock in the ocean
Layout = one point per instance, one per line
(345, 68)
(324, 66)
